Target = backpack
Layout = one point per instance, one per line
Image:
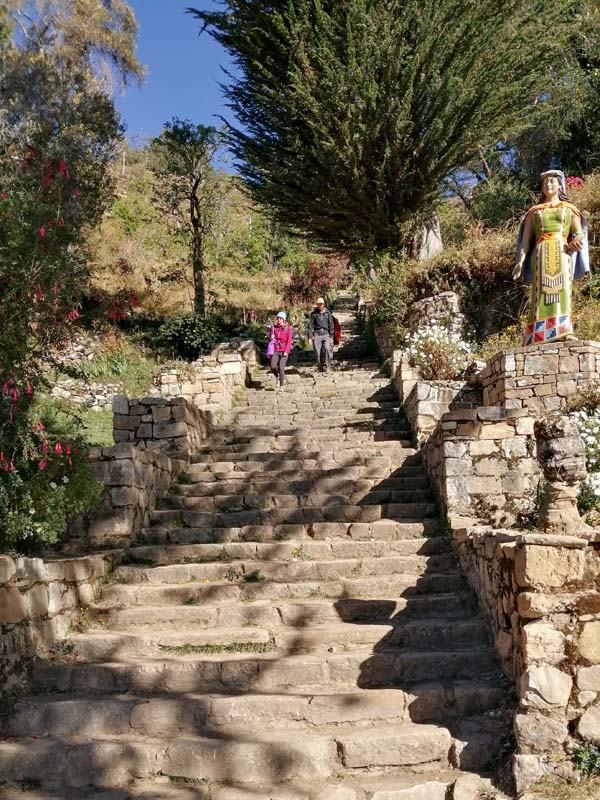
(337, 332)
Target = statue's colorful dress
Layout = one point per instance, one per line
(551, 270)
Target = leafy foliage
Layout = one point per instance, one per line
(187, 187)
(315, 277)
(189, 336)
(45, 485)
(58, 131)
(586, 759)
(351, 114)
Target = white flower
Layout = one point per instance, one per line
(32, 511)
(53, 485)
(65, 479)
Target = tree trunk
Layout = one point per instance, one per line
(198, 276)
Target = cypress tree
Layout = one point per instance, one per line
(351, 112)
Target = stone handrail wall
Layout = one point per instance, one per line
(211, 382)
(541, 377)
(39, 600)
(175, 427)
(540, 596)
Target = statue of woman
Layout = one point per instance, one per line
(552, 251)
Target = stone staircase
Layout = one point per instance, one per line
(292, 624)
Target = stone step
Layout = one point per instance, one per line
(362, 430)
(404, 463)
(255, 498)
(170, 532)
(312, 419)
(160, 555)
(269, 673)
(431, 635)
(288, 516)
(271, 485)
(378, 784)
(218, 592)
(117, 762)
(287, 451)
(202, 714)
(283, 571)
(281, 443)
(274, 615)
(345, 400)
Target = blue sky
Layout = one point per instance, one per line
(184, 70)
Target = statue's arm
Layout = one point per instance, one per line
(525, 243)
(576, 236)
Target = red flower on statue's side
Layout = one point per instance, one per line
(73, 315)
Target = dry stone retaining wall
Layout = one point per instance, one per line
(539, 592)
(38, 602)
(541, 598)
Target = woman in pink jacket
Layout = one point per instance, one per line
(281, 343)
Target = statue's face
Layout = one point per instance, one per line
(550, 185)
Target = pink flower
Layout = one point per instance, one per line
(43, 231)
(58, 448)
(42, 464)
(73, 315)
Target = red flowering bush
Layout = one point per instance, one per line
(573, 182)
(316, 277)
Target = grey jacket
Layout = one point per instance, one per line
(320, 323)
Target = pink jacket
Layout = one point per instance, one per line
(282, 338)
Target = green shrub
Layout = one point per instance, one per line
(586, 759)
(190, 336)
(45, 482)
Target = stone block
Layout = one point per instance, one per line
(120, 404)
(430, 790)
(144, 431)
(124, 496)
(121, 423)
(540, 641)
(496, 430)
(166, 430)
(38, 600)
(589, 725)
(545, 688)
(588, 679)
(490, 467)
(528, 770)
(8, 569)
(589, 642)
(13, 606)
(540, 364)
(484, 447)
(161, 413)
(537, 733)
(548, 567)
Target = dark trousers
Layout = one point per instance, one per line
(323, 343)
(278, 362)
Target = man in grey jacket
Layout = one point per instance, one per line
(320, 334)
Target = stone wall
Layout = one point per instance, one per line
(93, 394)
(483, 464)
(212, 382)
(134, 478)
(39, 600)
(541, 377)
(541, 599)
(175, 427)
